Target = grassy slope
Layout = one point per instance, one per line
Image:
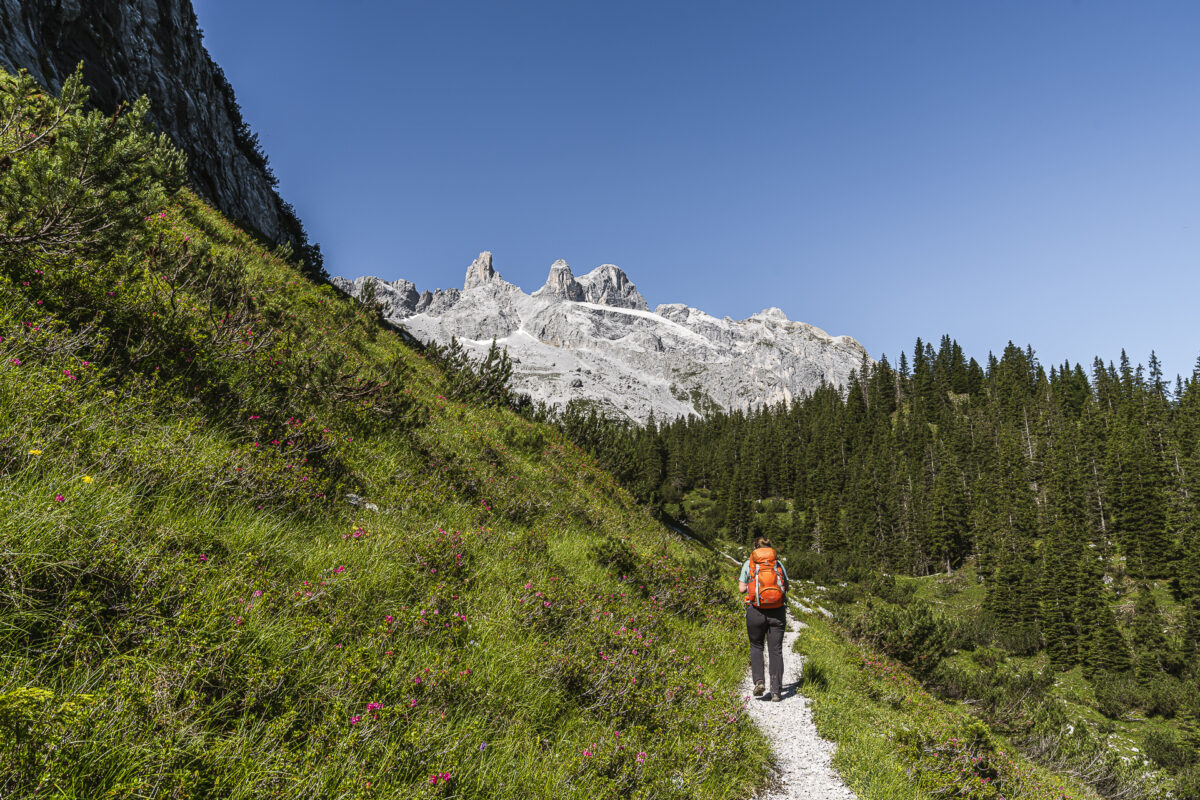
(896, 741)
(189, 608)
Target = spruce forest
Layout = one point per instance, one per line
(1054, 513)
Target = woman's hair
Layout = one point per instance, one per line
(762, 541)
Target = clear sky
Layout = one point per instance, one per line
(992, 170)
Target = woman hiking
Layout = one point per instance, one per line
(764, 582)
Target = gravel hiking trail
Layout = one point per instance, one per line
(802, 758)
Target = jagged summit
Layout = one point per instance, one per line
(561, 284)
(595, 338)
(608, 285)
(481, 272)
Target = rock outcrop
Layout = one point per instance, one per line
(154, 47)
(608, 285)
(561, 284)
(480, 273)
(398, 298)
(593, 338)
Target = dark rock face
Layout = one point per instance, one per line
(153, 47)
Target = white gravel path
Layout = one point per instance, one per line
(802, 757)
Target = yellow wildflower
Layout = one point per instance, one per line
(35, 452)
(87, 478)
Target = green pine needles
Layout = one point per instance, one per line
(75, 183)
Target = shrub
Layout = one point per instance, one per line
(989, 656)
(843, 595)
(1011, 700)
(616, 554)
(915, 636)
(885, 587)
(974, 630)
(1116, 694)
(1166, 696)
(1168, 750)
(951, 585)
(72, 182)
(1187, 784)
(809, 565)
(1022, 639)
(961, 761)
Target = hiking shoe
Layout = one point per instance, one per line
(759, 689)
(775, 698)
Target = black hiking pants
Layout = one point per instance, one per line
(766, 624)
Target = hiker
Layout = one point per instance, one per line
(764, 582)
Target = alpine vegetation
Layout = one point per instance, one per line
(251, 547)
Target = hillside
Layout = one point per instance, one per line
(594, 341)
(256, 546)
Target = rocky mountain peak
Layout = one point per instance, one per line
(480, 273)
(772, 313)
(608, 285)
(398, 298)
(561, 284)
(593, 339)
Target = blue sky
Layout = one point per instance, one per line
(992, 170)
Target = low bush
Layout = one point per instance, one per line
(959, 760)
(887, 588)
(809, 565)
(1009, 699)
(1021, 639)
(973, 629)
(1168, 697)
(843, 595)
(916, 636)
(1116, 694)
(988, 656)
(1169, 750)
(1187, 784)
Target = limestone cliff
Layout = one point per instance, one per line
(594, 338)
(154, 47)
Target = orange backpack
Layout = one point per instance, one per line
(766, 580)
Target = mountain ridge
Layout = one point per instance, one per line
(595, 338)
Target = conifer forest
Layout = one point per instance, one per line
(1067, 499)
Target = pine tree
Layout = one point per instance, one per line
(1107, 651)
(1150, 647)
(1059, 596)
(948, 510)
(1141, 510)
